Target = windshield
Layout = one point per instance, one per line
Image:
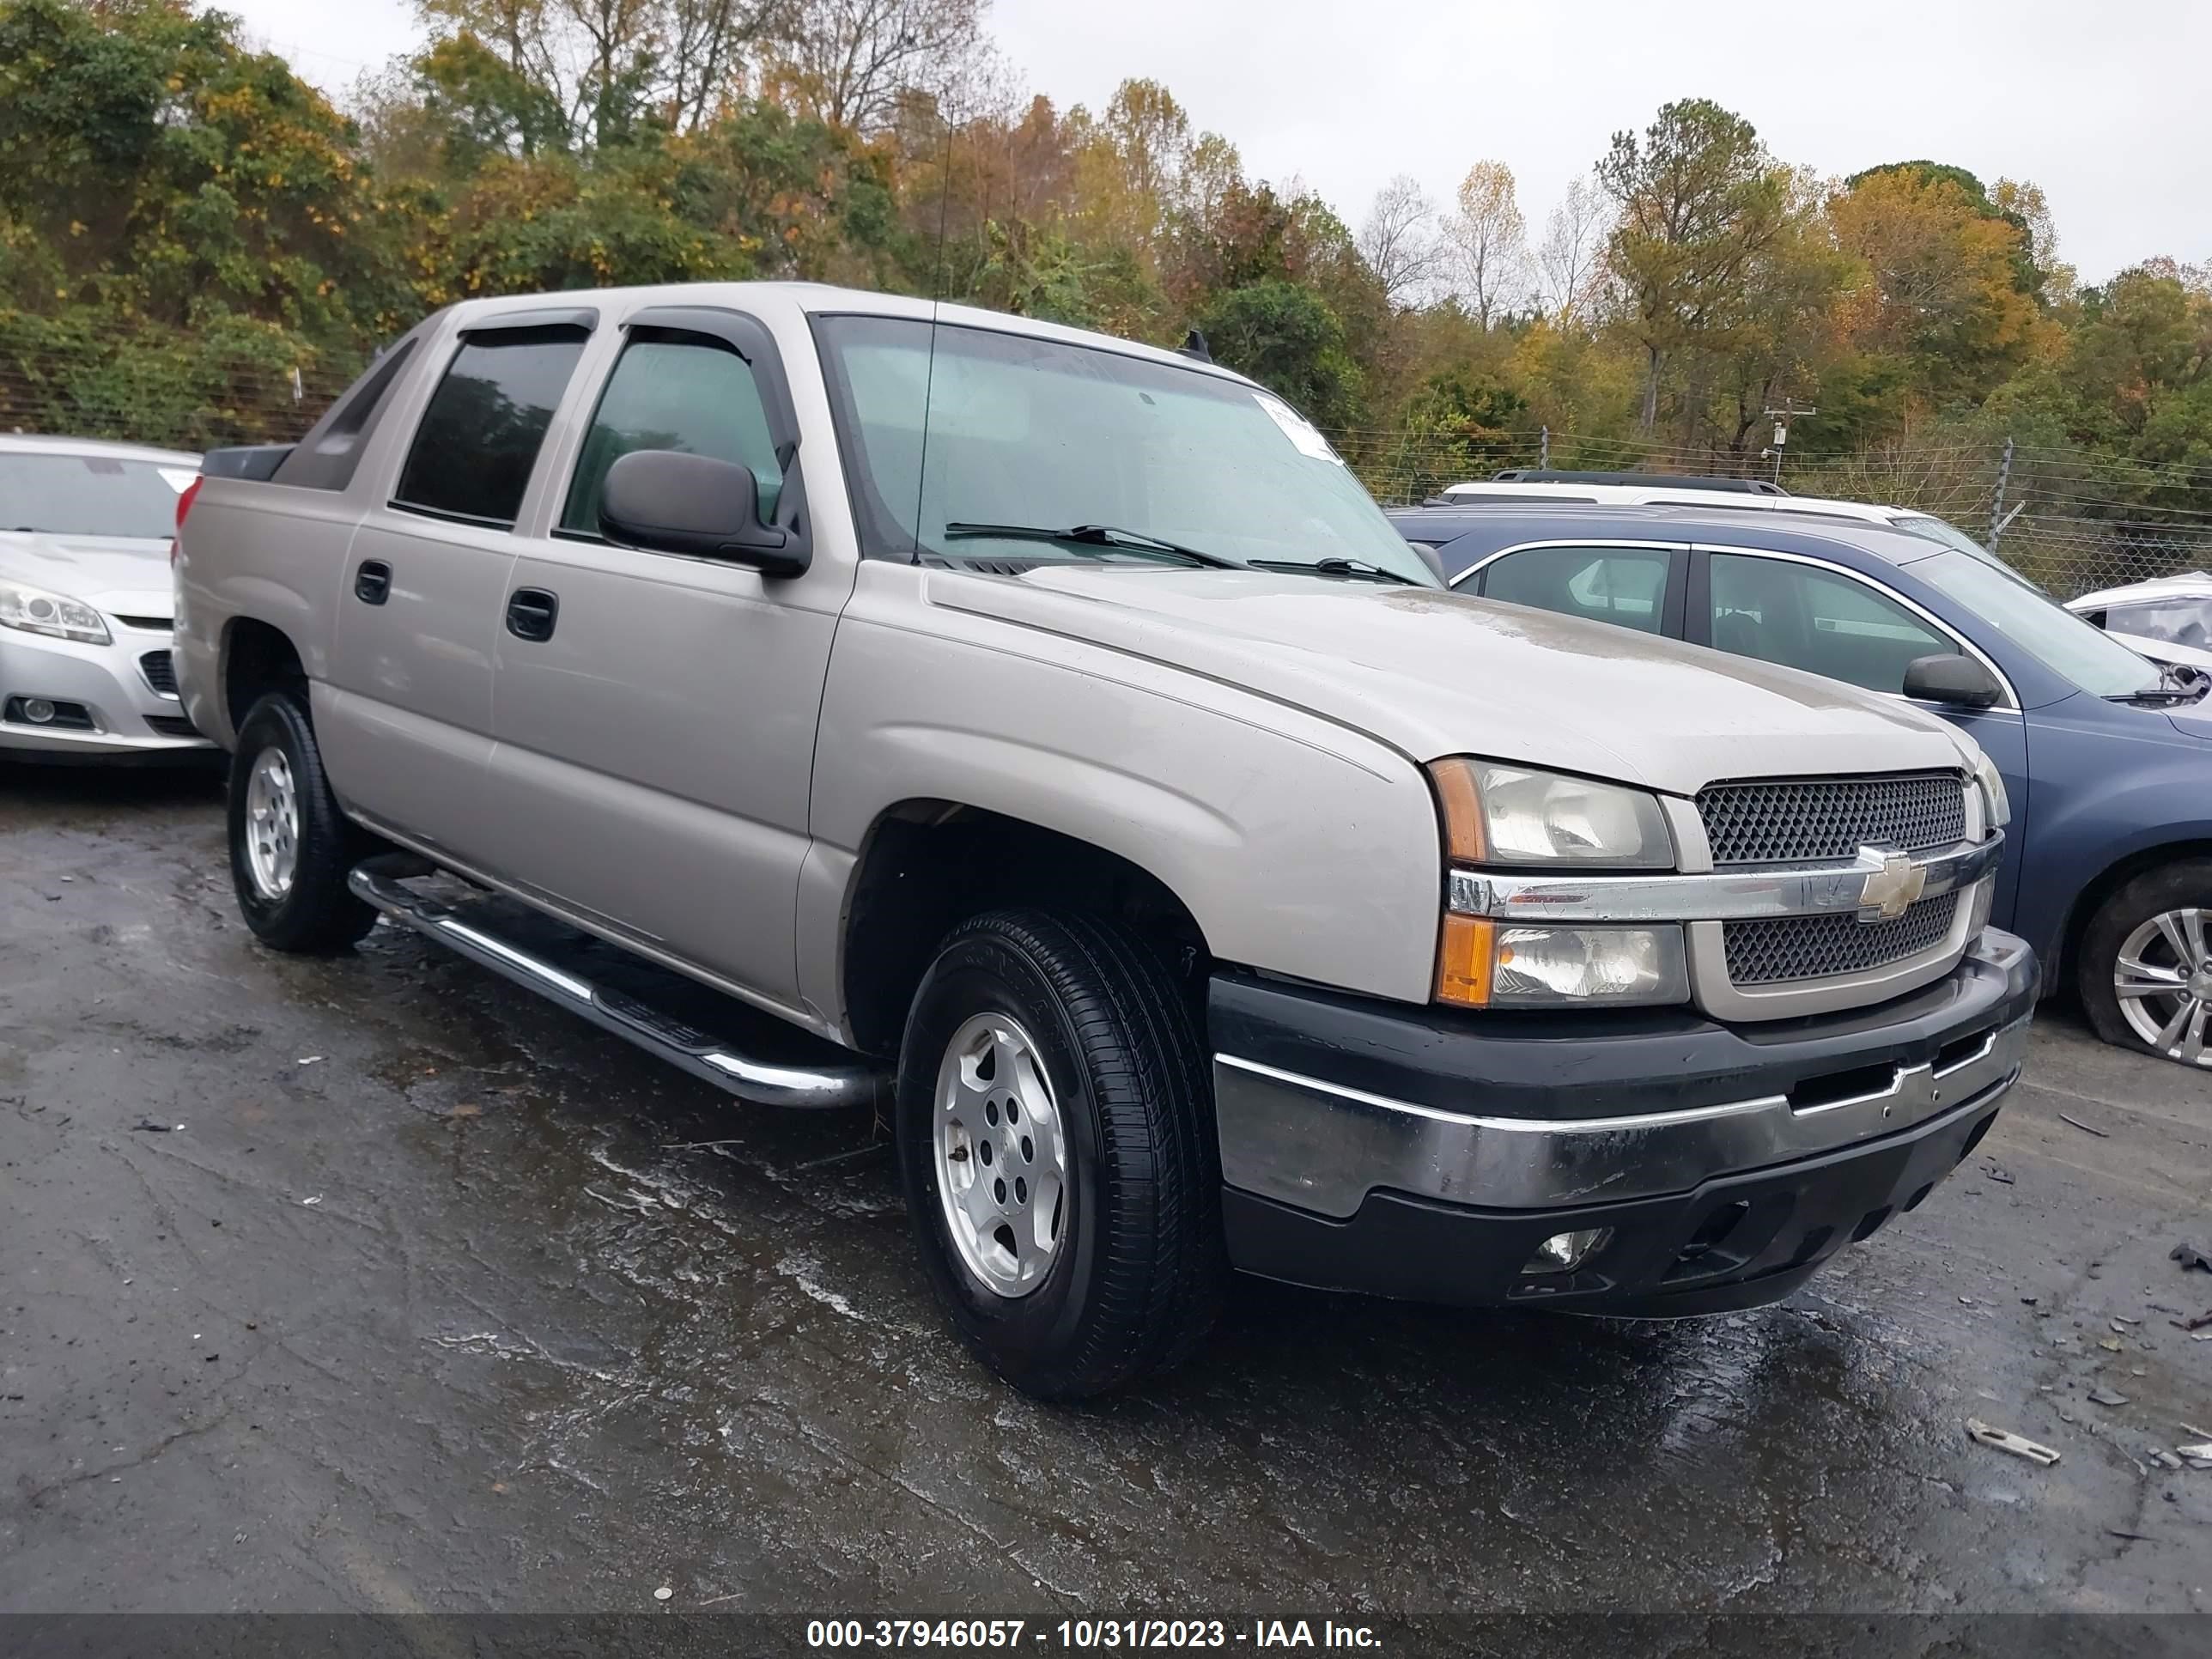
(2040, 626)
(995, 428)
(90, 495)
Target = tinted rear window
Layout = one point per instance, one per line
(479, 437)
(90, 495)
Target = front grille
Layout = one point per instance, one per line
(144, 624)
(1820, 947)
(172, 726)
(1821, 818)
(161, 673)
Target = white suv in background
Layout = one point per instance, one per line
(1912, 520)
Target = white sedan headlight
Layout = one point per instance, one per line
(36, 610)
(1997, 809)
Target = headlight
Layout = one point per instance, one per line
(1509, 815)
(1540, 966)
(35, 611)
(1996, 810)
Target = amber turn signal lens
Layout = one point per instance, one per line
(1464, 959)
(1464, 840)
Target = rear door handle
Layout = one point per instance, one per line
(372, 583)
(532, 612)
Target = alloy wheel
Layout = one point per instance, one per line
(2163, 979)
(1001, 1155)
(272, 824)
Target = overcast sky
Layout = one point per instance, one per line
(2106, 107)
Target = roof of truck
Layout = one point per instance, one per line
(820, 299)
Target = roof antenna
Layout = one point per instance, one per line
(1194, 345)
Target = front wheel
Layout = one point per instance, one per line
(2145, 965)
(1055, 1145)
(291, 849)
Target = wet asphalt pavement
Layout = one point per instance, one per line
(372, 1284)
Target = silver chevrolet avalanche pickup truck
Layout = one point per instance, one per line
(1044, 737)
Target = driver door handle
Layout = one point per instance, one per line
(532, 612)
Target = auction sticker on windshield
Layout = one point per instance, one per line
(1299, 430)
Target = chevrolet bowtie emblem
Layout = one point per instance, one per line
(1892, 883)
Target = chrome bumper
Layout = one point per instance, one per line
(1323, 1147)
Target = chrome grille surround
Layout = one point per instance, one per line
(1811, 819)
(1793, 948)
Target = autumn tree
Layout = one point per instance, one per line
(1699, 198)
(1571, 260)
(845, 61)
(1399, 240)
(1490, 241)
(1943, 277)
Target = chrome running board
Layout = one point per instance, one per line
(569, 970)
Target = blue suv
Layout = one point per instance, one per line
(2106, 758)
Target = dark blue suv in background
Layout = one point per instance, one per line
(2106, 758)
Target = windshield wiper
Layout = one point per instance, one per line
(2175, 684)
(1089, 535)
(1357, 570)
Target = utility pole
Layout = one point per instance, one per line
(1781, 418)
(1998, 517)
(1543, 448)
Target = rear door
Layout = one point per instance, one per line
(656, 713)
(405, 717)
(1637, 585)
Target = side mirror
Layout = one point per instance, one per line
(671, 503)
(1955, 679)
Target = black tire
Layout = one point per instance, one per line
(317, 915)
(1138, 1270)
(2184, 884)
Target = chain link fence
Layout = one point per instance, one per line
(2069, 519)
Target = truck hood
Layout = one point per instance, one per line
(118, 574)
(1433, 673)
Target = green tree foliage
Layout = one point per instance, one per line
(1699, 200)
(1283, 336)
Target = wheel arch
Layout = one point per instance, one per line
(2097, 891)
(257, 657)
(927, 864)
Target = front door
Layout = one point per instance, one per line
(403, 715)
(656, 715)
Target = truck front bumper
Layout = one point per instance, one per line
(1432, 1154)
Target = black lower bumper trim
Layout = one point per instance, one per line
(1736, 1241)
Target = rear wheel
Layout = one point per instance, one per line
(290, 847)
(1055, 1144)
(2145, 965)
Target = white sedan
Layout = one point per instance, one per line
(2168, 620)
(85, 604)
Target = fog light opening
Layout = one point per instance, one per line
(1562, 1253)
(38, 710)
